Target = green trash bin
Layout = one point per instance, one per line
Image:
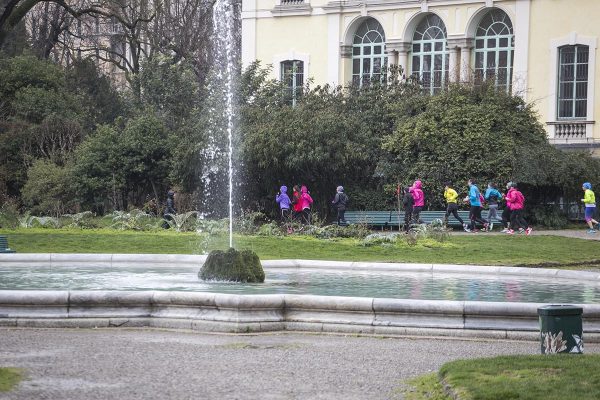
(561, 329)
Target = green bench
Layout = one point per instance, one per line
(381, 219)
(4, 245)
(389, 219)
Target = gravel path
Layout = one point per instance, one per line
(155, 364)
(570, 233)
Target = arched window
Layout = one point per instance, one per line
(429, 55)
(368, 53)
(494, 49)
(292, 75)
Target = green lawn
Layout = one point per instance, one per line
(9, 378)
(554, 377)
(476, 249)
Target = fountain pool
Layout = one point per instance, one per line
(85, 290)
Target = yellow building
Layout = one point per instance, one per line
(544, 50)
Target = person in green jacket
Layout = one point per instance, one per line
(589, 199)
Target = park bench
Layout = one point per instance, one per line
(4, 245)
(391, 219)
(378, 219)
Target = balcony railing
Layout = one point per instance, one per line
(569, 130)
(291, 2)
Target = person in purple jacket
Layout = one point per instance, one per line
(284, 202)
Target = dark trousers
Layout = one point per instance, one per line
(506, 217)
(415, 214)
(306, 216)
(516, 220)
(407, 219)
(475, 216)
(341, 220)
(452, 209)
(285, 215)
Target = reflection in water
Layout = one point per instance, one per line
(327, 283)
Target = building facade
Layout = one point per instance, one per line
(543, 50)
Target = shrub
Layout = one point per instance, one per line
(549, 216)
(357, 231)
(249, 222)
(83, 220)
(133, 220)
(9, 214)
(232, 265)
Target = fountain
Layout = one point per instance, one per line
(137, 290)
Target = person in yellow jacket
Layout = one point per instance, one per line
(451, 199)
(589, 199)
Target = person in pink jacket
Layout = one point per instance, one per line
(419, 200)
(305, 203)
(516, 202)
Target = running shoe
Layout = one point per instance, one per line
(510, 232)
(528, 231)
(521, 231)
(486, 227)
(591, 231)
(505, 230)
(466, 228)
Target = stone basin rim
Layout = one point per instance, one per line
(28, 260)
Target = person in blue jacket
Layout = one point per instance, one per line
(493, 197)
(475, 202)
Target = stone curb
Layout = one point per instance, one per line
(217, 312)
(28, 260)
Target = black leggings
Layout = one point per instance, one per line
(407, 219)
(416, 213)
(306, 216)
(452, 209)
(506, 217)
(340, 216)
(516, 220)
(475, 216)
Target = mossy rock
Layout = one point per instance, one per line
(232, 265)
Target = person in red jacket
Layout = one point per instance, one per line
(516, 202)
(297, 207)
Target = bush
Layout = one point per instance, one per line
(249, 222)
(232, 265)
(548, 216)
(357, 231)
(9, 214)
(375, 239)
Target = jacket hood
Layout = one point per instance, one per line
(304, 189)
(417, 184)
(339, 189)
(283, 189)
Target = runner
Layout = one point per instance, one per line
(589, 199)
(452, 208)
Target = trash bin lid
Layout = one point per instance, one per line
(560, 309)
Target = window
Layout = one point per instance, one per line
(292, 75)
(573, 82)
(429, 56)
(494, 49)
(368, 53)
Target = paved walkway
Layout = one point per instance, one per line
(154, 364)
(571, 233)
